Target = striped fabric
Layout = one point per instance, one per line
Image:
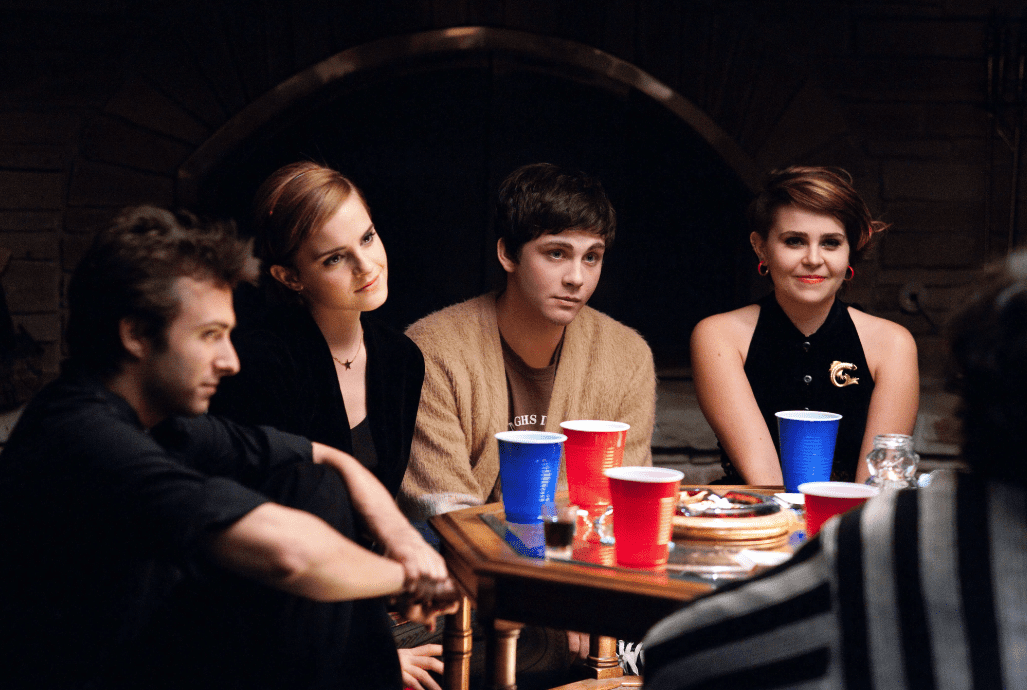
(918, 589)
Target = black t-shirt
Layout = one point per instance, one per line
(99, 519)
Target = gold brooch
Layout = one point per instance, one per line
(839, 376)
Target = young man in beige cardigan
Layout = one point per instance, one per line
(532, 356)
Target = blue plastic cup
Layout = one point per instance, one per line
(807, 446)
(529, 465)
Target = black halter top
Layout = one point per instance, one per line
(790, 371)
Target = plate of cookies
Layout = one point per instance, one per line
(732, 518)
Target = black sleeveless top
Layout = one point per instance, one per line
(789, 371)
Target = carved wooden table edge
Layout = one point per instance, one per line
(508, 587)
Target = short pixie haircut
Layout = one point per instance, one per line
(129, 271)
(988, 337)
(544, 199)
(828, 191)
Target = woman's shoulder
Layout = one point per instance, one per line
(736, 326)
(880, 335)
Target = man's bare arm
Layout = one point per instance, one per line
(426, 574)
(300, 553)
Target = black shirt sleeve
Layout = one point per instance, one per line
(221, 447)
(82, 452)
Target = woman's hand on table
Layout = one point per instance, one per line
(415, 663)
(726, 398)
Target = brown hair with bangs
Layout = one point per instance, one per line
(291, 204)
(544, 199)
(828, 191)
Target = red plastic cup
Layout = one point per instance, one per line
(644, 499)
(592, 447)
(824, 500)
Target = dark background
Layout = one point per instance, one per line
(105, 103)
(429, 150)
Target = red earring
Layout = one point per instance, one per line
(762, 270)
(850, 273)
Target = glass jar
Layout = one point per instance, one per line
(892, 462)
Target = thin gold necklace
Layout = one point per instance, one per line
(349, 362)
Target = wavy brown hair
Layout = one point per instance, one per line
(828, 191)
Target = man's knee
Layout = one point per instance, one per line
(315, 488)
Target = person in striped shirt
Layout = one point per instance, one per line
(917, 588)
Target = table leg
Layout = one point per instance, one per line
(602, 658)
(456, 645)
(502, 653)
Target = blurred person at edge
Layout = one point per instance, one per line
(918, 588)
(801, 347)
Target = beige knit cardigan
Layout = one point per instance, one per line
(605, 372)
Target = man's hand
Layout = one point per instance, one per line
(445, 602)
(426, 578)
(423, 567)
(415, 664)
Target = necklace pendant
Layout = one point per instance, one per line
(349, 362)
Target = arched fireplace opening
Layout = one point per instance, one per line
(429, 127)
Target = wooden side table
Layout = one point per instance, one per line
(510, 589)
